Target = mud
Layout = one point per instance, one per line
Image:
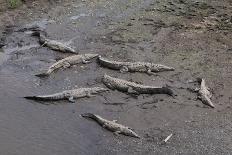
(194, 37)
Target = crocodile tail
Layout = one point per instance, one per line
(32, 97)
(41, 35)
(38, 98)
(88, 115)
(44, 74)
(36, 33)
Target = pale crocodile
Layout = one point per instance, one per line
(70, 94)
(204, 94)
(68, 61)
(53, 44)
(145, 67)
(112, 125)
(134, 88)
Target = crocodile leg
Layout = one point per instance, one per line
(88, 94)
(45, 42)
(71, 99)
(124, 69)
(110, 86)
(85, 61)
(103, 125)
(132, 91)
(149, 72)
(117, 133)
(66, 65)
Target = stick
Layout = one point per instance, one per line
(166, 139)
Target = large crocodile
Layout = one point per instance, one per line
(204, 94)
(68, 61)
(134, 88)
(70, 94)
(111, 125)
(53, 44)
(146, 67)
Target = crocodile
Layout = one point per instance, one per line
(112, 125)
(204, 94)
(67, 62)
(30, 28)
(70, 94)
(146, 67)
(134, 88)
(53, 44)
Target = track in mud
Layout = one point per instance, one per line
(195, 38)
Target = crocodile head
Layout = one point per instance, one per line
(165, 68)
(130, 132)
(100, 90)
(160, 68)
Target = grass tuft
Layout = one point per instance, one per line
(12, 4)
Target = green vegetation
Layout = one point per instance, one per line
(14, 3)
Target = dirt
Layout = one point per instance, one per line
(194, 37)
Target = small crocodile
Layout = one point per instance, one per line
(31, 28)
(204, 94)
(145, 67)
(134, 88)
(68, 61)
(70, 94)
(53, 44)
(112, 125)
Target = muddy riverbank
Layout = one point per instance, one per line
(194, 37)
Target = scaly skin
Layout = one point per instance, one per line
(53, 44)
(111, 125)
(133, 88)
(204, 95)
(70, 94)
(68, 61)
(145, 67)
